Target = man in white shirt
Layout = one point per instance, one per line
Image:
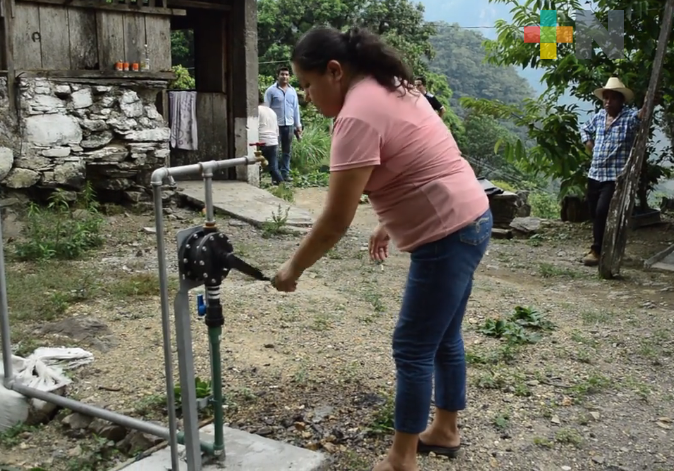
(268, 133)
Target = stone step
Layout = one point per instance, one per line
(245, 202)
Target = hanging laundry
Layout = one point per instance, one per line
(183, 117)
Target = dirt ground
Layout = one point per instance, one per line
(314, 367)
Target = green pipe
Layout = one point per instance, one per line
(206, 447)
(214, 336)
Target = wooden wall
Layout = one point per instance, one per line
(50, 37)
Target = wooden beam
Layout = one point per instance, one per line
(199, 5)
(8, 30)
(622, 203)
(98, 5)
(95, 74)
(658, 256)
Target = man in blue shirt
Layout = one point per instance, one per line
(609, 135)
(282, 98)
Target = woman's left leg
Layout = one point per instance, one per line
(440, 274)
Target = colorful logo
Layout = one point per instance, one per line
(548, 34)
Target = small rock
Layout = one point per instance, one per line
(77, 421)
(527, 225)
(6, 161)
(264, 431)
(566, 468)
(595, 415)
(149, 230)
(598, 459)
(107, 430)
(555, 420)
(77, 451)
(82, 98)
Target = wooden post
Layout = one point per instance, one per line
(622, 204)
(9, 52)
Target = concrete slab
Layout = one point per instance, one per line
(245, 452)
(245, 202)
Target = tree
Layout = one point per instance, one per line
(478, 145)
(182, 48)
(559, 152)
(400, 22)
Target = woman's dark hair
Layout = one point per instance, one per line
(362, 51)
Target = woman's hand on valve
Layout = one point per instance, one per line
(286, 278)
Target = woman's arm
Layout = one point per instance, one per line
(344, 193)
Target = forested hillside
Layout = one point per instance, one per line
(459, 55)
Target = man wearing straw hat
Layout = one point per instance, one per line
(609, 135)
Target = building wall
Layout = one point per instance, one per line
(52, 37)
(70, 133)
(244, 64)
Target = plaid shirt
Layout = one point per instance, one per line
(612, 146)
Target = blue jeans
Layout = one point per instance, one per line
(271, 153)
(427, 340)
(286, 135)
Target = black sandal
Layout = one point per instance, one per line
(450, 452)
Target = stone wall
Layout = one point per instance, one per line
(69, 133)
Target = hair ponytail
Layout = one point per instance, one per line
(363, 51)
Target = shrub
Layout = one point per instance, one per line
(183, 79)
(505, 186)
(61, 230)
(544, 205)
(313, 151)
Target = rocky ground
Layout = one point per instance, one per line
(313, 368)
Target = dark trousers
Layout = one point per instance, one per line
(286, 135)
(427, 342)
(599, 195)
(271, 153)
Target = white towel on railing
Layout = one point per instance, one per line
(183, 116)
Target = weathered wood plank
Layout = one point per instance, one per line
(54, 37)
(501, 233)
(201, 5)
(622, 204)
(8, 64)
(219, 149)
(99, 74)
(83, 39)
(134, 37)
(158, 34)
(27, 48)
(114, 7)
(110, 28)
(210, 48)
(205, 126)
(4, 37)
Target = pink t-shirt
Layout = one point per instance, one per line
(421, 188)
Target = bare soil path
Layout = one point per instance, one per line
(314, 367)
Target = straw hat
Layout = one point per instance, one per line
(616, 85)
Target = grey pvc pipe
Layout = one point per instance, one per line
(4, 316)
(161, 173)
(92, 411)
(166, 326)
